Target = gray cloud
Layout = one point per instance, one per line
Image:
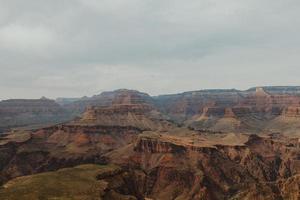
(81, 47)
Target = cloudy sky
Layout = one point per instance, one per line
(74, 48)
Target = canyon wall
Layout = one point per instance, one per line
(26, 112)
(260, 168)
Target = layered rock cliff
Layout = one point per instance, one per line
(181, 168)
(141, 116)
(84, 140)
(255, 111)
(126, 108)
(206, 155)
(23, 112)
(105, 99)
(253, 108)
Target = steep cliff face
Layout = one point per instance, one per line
(255, 111)
(267, 104)
(22, 112)
(258, 98)
(185, 105)
(180, 168)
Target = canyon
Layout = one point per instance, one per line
(208, 144)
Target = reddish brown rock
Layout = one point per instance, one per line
(60, 146)
(291, 111)
(163, 161)
(141, 116)
(176, 168)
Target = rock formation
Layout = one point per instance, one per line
(210, 145)
(23, 112)
(83, 140)
(193, 168)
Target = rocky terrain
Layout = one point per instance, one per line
(105, 99)
(239, 111)
(30, 112)
(254, 110)
(82, 140)
(215, 167)
(210, 145)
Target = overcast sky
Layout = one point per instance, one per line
(72, 48)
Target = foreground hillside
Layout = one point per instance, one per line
(89, 182)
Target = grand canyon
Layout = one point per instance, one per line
(200, 145)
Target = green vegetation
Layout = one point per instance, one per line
(70, 183)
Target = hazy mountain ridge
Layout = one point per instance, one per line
(182, 107)
(31, 112)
